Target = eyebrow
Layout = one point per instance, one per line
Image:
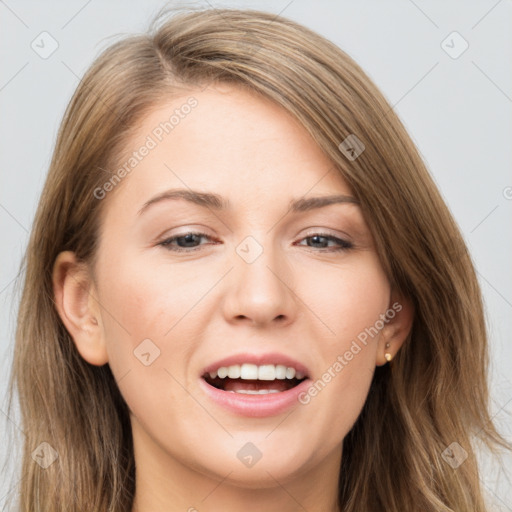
(218, 203)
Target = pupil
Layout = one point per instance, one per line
(314, 239)
(189, 239)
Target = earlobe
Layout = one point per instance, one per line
(78, 308)
(400, 316)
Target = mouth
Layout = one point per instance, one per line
(255, 385)
(252, 379)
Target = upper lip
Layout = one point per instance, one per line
(257, 359)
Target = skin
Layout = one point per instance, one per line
(299, 297)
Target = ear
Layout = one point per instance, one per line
(400, 316)
(78, 308)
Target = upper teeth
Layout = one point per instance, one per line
(255, 372)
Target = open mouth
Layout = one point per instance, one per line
(252, 379)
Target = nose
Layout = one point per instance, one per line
(261, 292)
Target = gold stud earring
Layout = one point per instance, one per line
(387, 355)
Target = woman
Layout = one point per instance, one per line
(324, 349)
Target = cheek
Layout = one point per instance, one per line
(142, 310)
(146, 317)
(142, 300)
(347, 298)
(353, 301)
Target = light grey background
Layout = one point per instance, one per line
(457, 110)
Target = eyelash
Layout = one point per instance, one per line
(344, 245)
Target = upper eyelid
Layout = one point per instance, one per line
(310, 232)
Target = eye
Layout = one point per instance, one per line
(188, 242)
(323, 238)
(185, 242)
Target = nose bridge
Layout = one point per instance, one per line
(260, 286)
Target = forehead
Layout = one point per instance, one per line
(226, 140)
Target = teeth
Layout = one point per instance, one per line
(248, 372)
(267, 372)
(234, 371)
(255, 391)
(254, 372)
(280, 371)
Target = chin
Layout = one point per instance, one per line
(258, 463)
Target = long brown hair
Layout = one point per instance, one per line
(436, 392)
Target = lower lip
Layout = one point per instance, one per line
(256, 406)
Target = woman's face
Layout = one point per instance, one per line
(238, 282)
